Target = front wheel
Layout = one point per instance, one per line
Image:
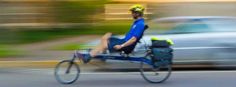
(67, 72)
(156, 74)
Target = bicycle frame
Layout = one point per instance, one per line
(121, 58)
(134, 59)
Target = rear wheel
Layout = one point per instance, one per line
(156, 74)
(67, 72)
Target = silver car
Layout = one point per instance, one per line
(199, 41)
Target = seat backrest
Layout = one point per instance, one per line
(145, 28)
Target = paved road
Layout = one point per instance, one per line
(45, 78)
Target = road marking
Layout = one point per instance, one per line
(51, 71)
(179, 72)
(189, 48)
(204, 72)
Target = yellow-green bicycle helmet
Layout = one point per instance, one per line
(137, 8)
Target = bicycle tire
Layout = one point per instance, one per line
(166, 69)
(73, 66)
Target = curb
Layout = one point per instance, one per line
(17, 64)
(37, 64)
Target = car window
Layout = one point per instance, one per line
(193, 26)
(189, 28)
(222, 25)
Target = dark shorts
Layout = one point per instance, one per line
(112, 41)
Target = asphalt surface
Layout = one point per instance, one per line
(45, 78)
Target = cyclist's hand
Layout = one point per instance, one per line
(117, 47)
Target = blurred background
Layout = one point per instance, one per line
(36, 34)
(52, 29)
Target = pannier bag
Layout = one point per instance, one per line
(162, 52)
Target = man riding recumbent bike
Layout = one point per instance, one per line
(155, 66)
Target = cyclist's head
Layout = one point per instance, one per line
(137, 10)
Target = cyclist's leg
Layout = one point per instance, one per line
(102, 46)
(105, 38)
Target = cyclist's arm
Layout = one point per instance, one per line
(139, 29)
(129, 42)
